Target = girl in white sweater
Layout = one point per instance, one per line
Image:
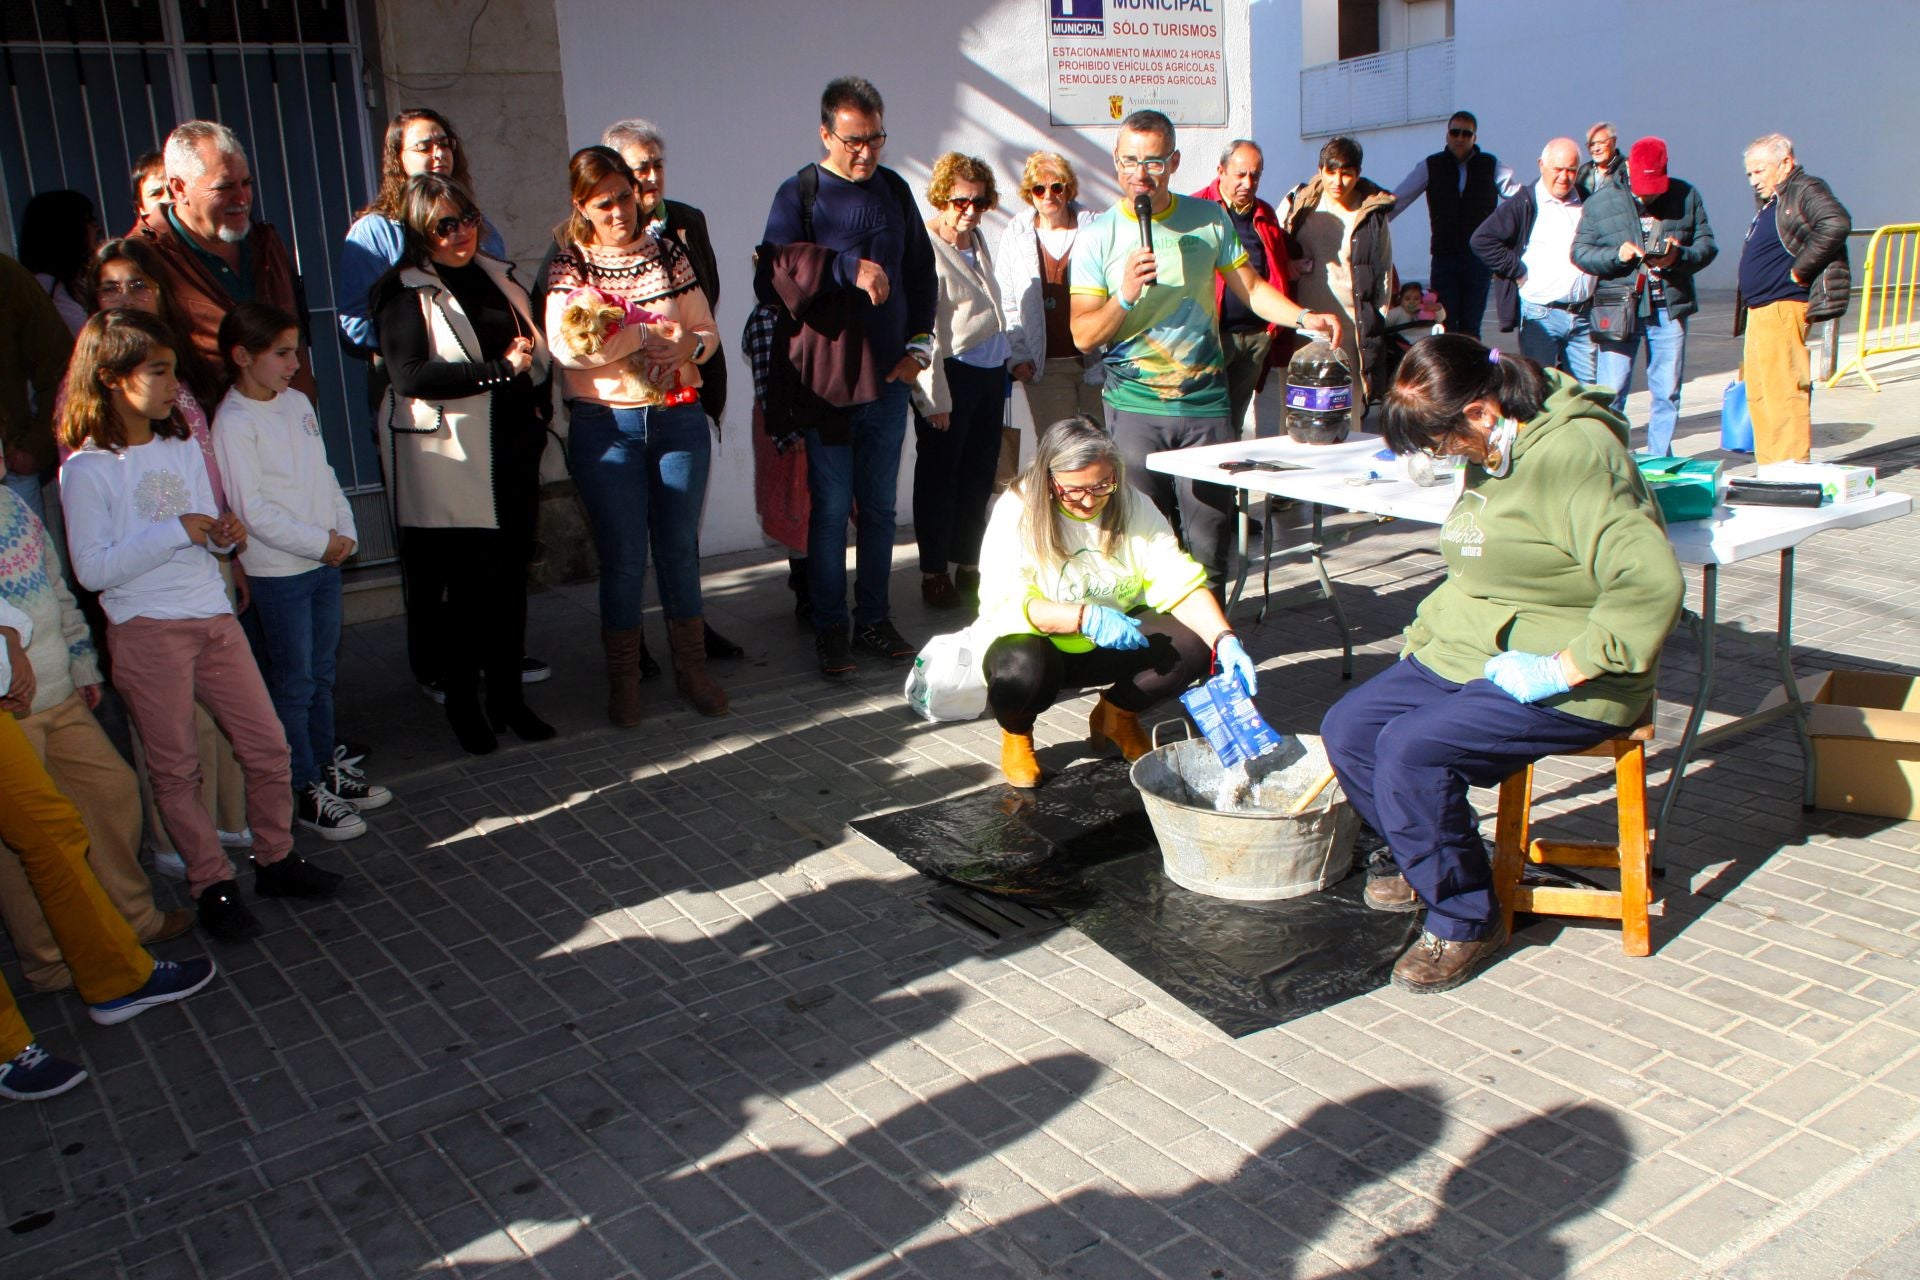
(299, 531)
(136, 499)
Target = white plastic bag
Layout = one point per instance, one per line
(948, 680)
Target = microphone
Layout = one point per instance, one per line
(1143, 213)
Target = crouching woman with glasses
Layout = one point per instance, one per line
(1544, 638)
(1089, 588)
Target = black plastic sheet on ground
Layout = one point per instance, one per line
(1082, 846)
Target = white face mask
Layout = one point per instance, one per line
(1500, 448)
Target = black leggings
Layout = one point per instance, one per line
(1025, 674)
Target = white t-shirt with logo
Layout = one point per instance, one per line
(124, 533)
(274, 467)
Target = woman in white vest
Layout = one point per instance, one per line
(461, 434)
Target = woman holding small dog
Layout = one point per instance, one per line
(638, 444)
(461, 436)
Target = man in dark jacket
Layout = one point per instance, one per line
(1251, 343)
(1793, 273)
(1462, 184)
(1529, 240)
(1605, 165)
(883, 270)
(1644, 243)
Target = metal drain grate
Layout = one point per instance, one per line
(986, 919)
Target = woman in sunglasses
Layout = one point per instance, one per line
(1033, 255)
(461, 433)
(959, 401)
(1086, 587)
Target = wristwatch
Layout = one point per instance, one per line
(699, 347)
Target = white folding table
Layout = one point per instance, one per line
(1338, 476)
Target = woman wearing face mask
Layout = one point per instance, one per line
(959, 401)
(1545, 636)
(637, 442)
(1088, 588)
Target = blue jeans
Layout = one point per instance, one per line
(1461, 280)
(1666, 340)
(299, 619)
(1558, 339)
(642, 474)
(1407, 744)
(864, 471)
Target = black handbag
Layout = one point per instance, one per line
(1613, 314)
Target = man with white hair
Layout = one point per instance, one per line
(1793, 273)
(214, 254)
(1606, 164)
(1529, 240)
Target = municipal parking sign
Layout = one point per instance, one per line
(1106, 58)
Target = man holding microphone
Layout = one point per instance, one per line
(1142, 289)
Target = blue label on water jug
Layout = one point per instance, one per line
(1320, 399)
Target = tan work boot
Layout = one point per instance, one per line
(1109, 723)
(1016, 760)
(688, 636)
(623, 675)
(1390, 893)
(1432, 965)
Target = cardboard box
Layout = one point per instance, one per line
(1866, 740)
(1838, 483)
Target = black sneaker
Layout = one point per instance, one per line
(294, 877)
(322, 812)
(223, 915)
(344, 782)
(883, 639)
(834, 651)
(533, 671)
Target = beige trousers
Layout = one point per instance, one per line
(1059, 392)
(1779, 378)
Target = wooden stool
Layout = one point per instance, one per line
(1632, 855)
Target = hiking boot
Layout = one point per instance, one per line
(834, 651)
(223, 915)
(170, 982)
(294, 877)
(326, 814)
(1432, 965)
(1390, 893)
(883, 639)
(33, 1074)
(344, 782)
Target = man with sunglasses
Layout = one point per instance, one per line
(861, 337)
(214, 254)
(1463, 185)
(1251, 343)
(1153, 313)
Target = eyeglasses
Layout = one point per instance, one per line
(133, 288)
(1101, 490)
(447, 226)
(872, 142)
(438, 142)
(1151, 165)
(964, 203)
(1041, 188)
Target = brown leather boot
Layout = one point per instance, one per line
(688, 637)
(1433, 964)
(1016, 759)
(1109, 723)
(623, 675)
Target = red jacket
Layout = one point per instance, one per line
(202, 302)
(1266, 225)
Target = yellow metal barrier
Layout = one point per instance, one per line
(1887, 287)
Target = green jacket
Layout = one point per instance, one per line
(34, 345)
(1566, 552)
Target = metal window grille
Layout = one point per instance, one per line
(87, 85)
(1402, 86)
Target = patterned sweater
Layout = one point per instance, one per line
(32, 580)
(654, 273)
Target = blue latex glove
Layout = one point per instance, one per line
(1111, 629)
(1232, 656)
(1527, 677)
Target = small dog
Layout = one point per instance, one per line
(590, 319)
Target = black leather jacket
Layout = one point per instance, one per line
(1813, 226)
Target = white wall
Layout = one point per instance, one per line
(736, 89)
(1708, 76)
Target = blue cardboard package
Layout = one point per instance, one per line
(1227, 717)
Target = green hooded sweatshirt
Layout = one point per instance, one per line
(1567, 551)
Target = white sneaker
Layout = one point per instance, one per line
(241, 839)
(327, 815)
(170, 865)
